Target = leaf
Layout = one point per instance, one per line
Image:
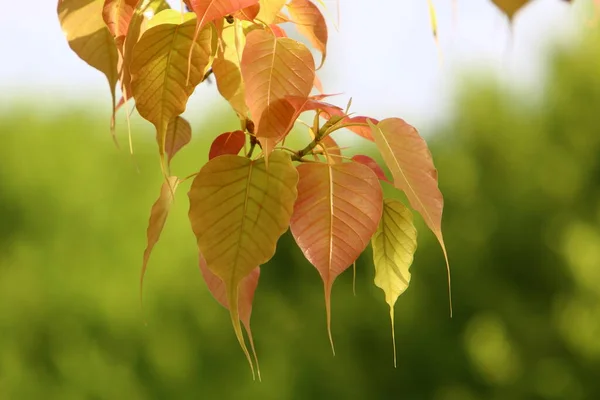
(337, 211)
(410, 162)
(88, 36)
(269, 10)
(158, 217)
(273, 68)
(510, 7)
(226, 68)
(247, 289)
(394, 245)
(311, 23)
(158, 83)
(238, 211)
(179, 133)
(227, 143)
(117, 15)
(355, 124)
(278, 31)
(369, 162)
(331, 149)
(248, 13)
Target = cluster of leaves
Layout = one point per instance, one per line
(241, 204)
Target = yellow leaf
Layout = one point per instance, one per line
(407, 156)
(510, 7)
(269, 9)
(311, 23)
(394, 245)
(158, 217)
(238, 211)
(158, 67)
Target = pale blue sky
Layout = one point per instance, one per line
(383, 55)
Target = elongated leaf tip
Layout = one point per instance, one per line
(232, 298)
(393, 333)
(328, 313)
(251, 340)
(354, 278)
(449, 279)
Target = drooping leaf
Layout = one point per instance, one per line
(394, 245)
(88, 36)
(272, 69)
(407, 156)
(179, 133)
(369, 162)
(510, 7)
(158, 217)
(226, 68)
(269, 10)
(247, 289)
(227, 143)
(336, 214)
(311, 23)
(158, 83)
(238, 211)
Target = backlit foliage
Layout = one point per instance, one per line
(253, 188)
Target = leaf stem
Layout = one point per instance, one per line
(253, 143)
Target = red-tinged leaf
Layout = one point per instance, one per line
(337, 212)
(311, 23)
(159, 88)
(272, 69)
(409, 160)
(227, 143)
(247, 289)
(226, 68)
(210, 10)
(302, 104)
(270, 10)
(278, 31)
(318, 85)
(158, 217)
(369, 162)
(356, 124)
(331, 149)
(117, 15)
(248, 13)
(179, 133)
(238, 211)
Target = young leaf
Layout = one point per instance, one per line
(247, 289)
(337, 211)
(369, 162)
(158, 217)
(274, 68)
(227, 143)
(159, 86)
(238, 211)
(394, 245)
(117, 15)
(248, 13)
(311, 23)
(356, 124)
(410, 162)
(179, 133)
(82, 24)
(331, 149)
(226, 68)
(269, 10)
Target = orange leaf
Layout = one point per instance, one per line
(311, 23)
(273, 68)
(363, 131)
(158, 217)
(337, 212)
(179, 133)
(409, 160)
(248, 13)
(227, 143)
(246, 289)
(369, 162)
(117, 15)
(278, 31)
(210, 10)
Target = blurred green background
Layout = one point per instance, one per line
(521, 178)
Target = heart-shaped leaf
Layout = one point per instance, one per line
(311, 23)
(238, 211)
(410, 162)
(227, 143)
(336, 214)
(394, 245)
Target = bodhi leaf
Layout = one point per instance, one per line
(510, 7)
(227, 143)
(238, 211)
(394, 245)
(336, 214)
(409, 160)
(273, 68)
(269, 10)
(248, 13)
(247, 289)
(117, 15)
(179, 133)
(82, 24)
(159, 59)
(158, 217)
(369, 162)
(311, 23)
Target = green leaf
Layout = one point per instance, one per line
(337, 212)
(238, 211)
(407, 156)
(158, 217)
(158, 69)
(394, 245)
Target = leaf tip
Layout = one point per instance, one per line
(393, 334)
